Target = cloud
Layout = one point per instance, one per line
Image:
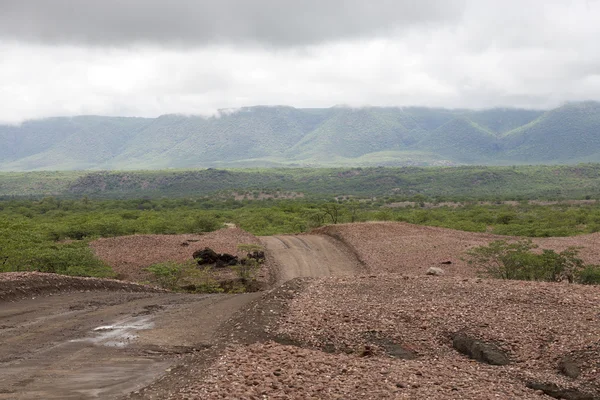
(476, 54)
(201, 22)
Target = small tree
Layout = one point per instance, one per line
(249, 266)
(514, 260)
(502, 259)
(333, 211)
(247, 269)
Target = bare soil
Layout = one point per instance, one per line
(130, 255)
(308, 256)
(99, 344)
(390, 336)
(353, 316)
(397, 247)
(82, 338)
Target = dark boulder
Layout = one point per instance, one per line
(226, 260)
(558, 392)
(206, 256)
(479, 350)
(256, 255)
(569, 367)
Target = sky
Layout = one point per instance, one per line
(150, 57)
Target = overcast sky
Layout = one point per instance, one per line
(151, 57)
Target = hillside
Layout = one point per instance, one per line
(465, 182)
(567, 133)
(285, 136)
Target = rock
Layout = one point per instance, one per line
(479, 350)
(557, 392)
(206, 256)
(392, 348)
(256, 255)
(569, 367)
(226, 260)
(435, 271)
(366, 351)
(209, 256)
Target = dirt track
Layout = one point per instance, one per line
(99, 344)
(102, 344)
(309, 256)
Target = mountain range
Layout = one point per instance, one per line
(265, 136)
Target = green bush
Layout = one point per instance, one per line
(168, 275)
(204, 223)
(184, 277)
(515, 260)
(590, 275)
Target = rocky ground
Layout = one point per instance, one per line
(397, 333)
(129, 255)
(392, 332)
(394, 336)
(396, 247)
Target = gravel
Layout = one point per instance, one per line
(396, 247)
(129, 255)
(387, 334)
(274, 371)
(347, 332)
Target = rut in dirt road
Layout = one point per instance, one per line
(310, 256)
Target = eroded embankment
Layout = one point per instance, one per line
(21, 285)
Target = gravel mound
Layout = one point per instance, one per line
(537, 324)
(398, 247)
(274, 371)
(351, 335)
(129, 255)
(18, 285)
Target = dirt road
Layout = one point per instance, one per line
(309, 256)
(106, 344)
(102, 344)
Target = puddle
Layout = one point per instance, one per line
(120, 334)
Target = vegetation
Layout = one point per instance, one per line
(285, 136)
(515, 260)
(52, 234)
(397, 184)
(184, 277)
(248, 267)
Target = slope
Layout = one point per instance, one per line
(461, 140)
(351, 133)
(565, 134)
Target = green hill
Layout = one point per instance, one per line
(285, 136)
(568, 133)
(462, 140)
(350, 133)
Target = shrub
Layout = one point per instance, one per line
(167, 275)
(515, 260)
(204, 223)
(248, 267)
(590, 275)
(247, 270)
(184, 276)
